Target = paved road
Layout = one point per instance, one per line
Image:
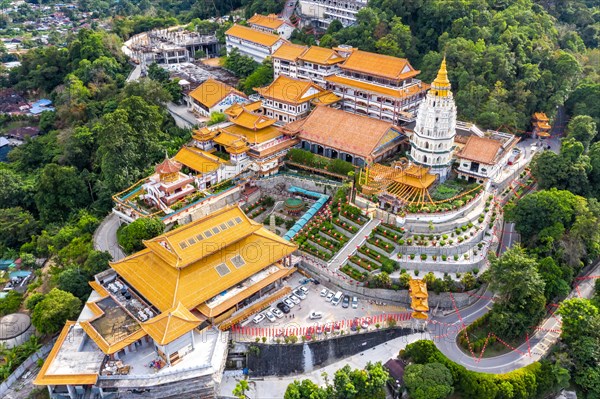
(288, 9)
(105, 237)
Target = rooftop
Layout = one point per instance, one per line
(481, 149)
(321, 55)
(198, 160)
(289, 51)
(378, 89)
(290, 90)
(381, 65)
(211, 92)
(356, 134)
(197, 261)
(270, 21)
(252, 35)
(170, 325)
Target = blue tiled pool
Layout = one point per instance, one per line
(19, 273)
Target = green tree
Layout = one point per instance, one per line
(428, 381)
(130, 237)
(74, 281)
(516, 281)
(216, 117)
(60, 191)
(554, 284)
(50, 314)
(16, 227)
(583, 129)
(96, 262)
(10, 303)
(578, 317)
(262, 76)
(15, 190)
(306, 389)
(33, 299)
(241, 388)
(241, 65)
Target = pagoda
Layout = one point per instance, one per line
(432, 143)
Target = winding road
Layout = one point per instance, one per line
(105, 237)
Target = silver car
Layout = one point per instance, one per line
(289, 303)
(294, 299)
(278, 313)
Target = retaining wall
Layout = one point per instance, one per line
(277, 359)
(320, 186)
(442, 301)
(30, 362)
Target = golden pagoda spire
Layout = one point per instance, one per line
(441, 84)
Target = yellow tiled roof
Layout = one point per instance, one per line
(327, 98)
(211, 91)
(540, 116)
(99, 289)
(170, 325)
(254, 136)
(418, 289)
(373, 88)
(289, 51)
(198, 160)
(270, 21)
(217, 310)
(237, 108)
(290, 90)
(203, 134)
(343, 131)
(321, 55)
(44, 378)
(203, 269)
(229, 140)
(251, 120)
(253, 35)
(381, 65)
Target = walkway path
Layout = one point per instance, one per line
(105, 237)
(274, 387)
(356, 241)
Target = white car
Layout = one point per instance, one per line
(294, 299)
(278, 313)
(270, 316)
(258, 318)
(324, 292)
(300, 294)
(354, 302)
(315, 315)
(329, 297)
(304, 289)
(289, 303)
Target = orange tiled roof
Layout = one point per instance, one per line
(251, 120)
(542, 125)
(540, 116)
(290, 90)
(270, 21)
(356, 134)
(373, 88)
(253, 35)
(198, 160)
(170, 325)
(289, 51)
(321, 55)
(480, 149)
(380, 65)
(211, 91)
(237, 108)
(167, 166)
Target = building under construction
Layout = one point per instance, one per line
(170, 46)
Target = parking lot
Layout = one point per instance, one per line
(314, 302)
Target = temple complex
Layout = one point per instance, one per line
(158, 311)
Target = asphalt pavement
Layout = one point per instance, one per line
(105, 237)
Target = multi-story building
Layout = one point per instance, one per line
(313, 63)
(341, 135)
(249, 137)
(483, 158)
(376, 85)
(320, 13)
(214, 96)
(432, 143)
(154, 324)
(271, 24)
(287, 99)
(251, 42)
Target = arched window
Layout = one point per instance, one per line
(427, 145)
(424, 158)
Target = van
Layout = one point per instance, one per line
(337, 298)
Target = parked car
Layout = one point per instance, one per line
(354, 302)
(304, 289)
(346, 301)
(300, 294)
(283, 307)
(294, 299)
(278, 313)
(337, 298)
(315, 315)
(324, 292)
(289, 302)
(258, 318)
(270, 316)
(329, 296)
